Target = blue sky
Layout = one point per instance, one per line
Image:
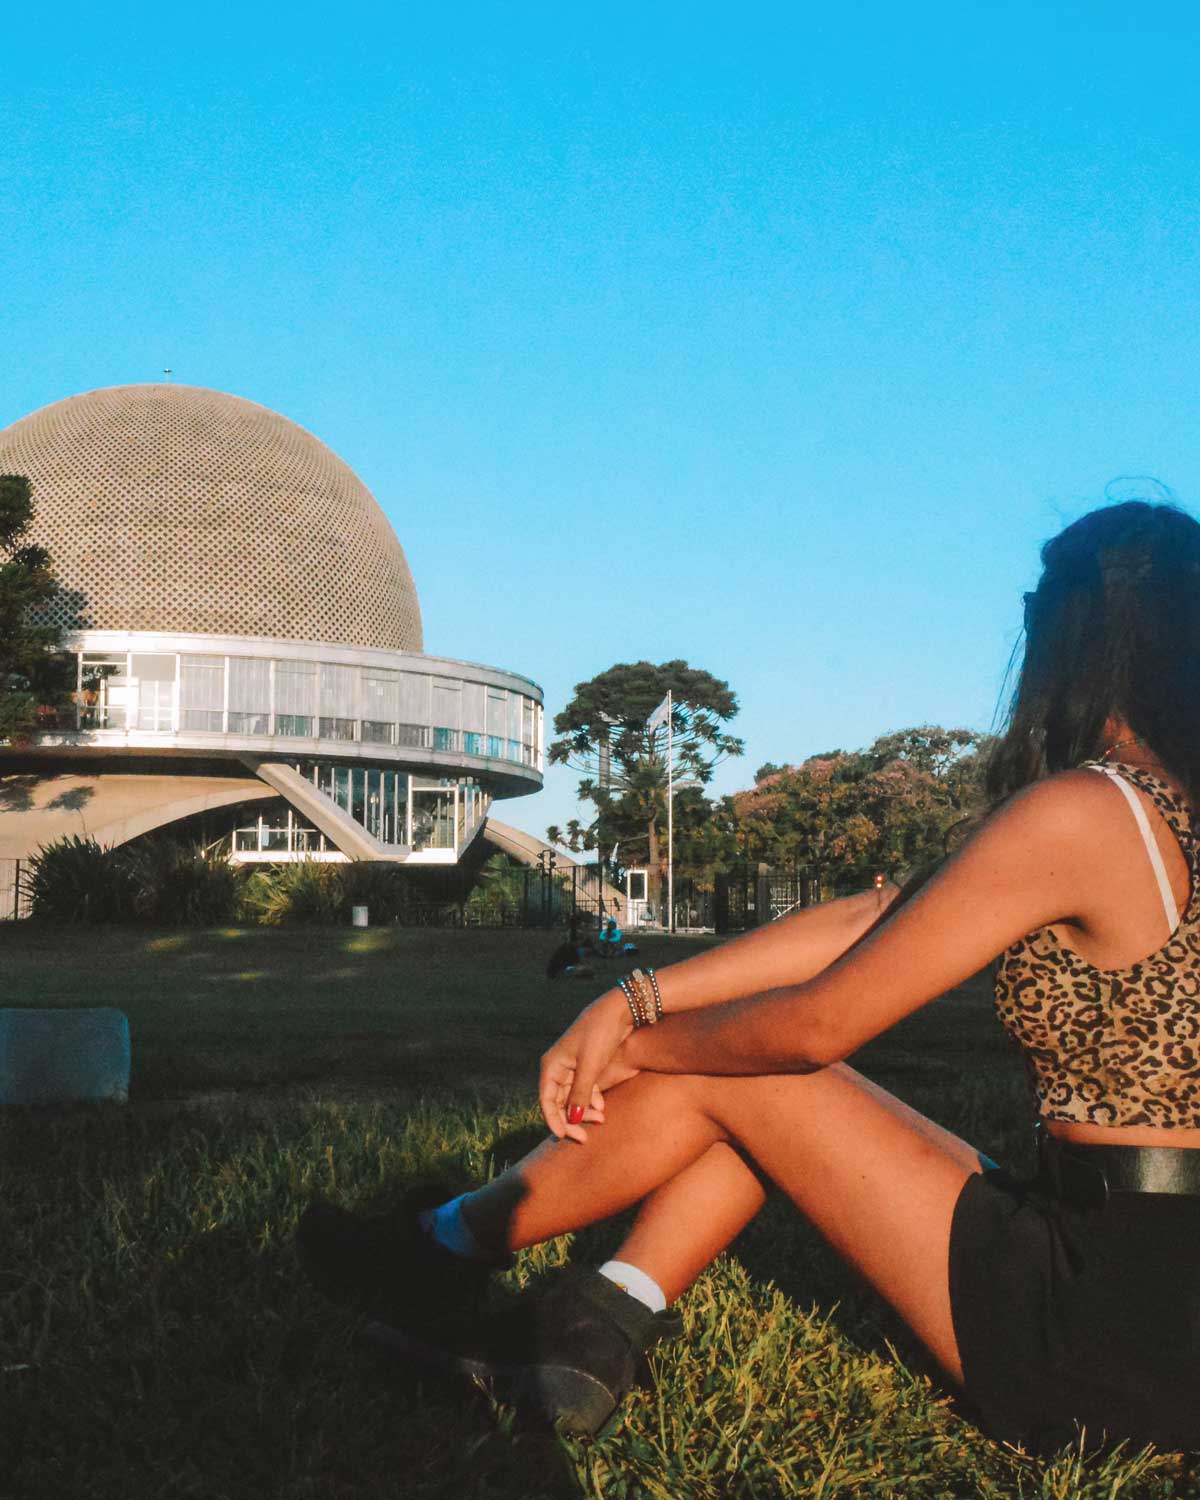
(772, 337)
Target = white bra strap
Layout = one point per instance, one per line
(1152, 849)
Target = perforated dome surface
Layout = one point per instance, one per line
(173, 508)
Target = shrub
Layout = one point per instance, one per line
(158, 880)
(382, 888)
(301, 892)
(500, 892)
(75, 880)
(177, 885)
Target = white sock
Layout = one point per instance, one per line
(636, 1283)
(447, 1227)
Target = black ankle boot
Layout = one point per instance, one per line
(389, 1266)
(571, 1354)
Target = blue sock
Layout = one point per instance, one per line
(447, 1227)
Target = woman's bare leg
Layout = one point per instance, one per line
(877, 1179)
(685, 1224)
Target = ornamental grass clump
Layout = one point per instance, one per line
(151, 880)
(323, 894)
(173, 884)
(76, 880)
(302, 892)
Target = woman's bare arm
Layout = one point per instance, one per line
(1046, 857)
(785, 952)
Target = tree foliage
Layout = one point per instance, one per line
(603, 733)
(888, 808)
(30, 673)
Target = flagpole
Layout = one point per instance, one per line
(670, 819)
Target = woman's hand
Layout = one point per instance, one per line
(583, 1059)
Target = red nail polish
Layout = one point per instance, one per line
(575, 1114)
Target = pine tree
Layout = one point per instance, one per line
(32, 673)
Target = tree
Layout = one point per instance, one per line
(31, 674)
(603, 733)
(890, 807)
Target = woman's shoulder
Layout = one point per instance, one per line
(1074, 823)
(1067, 802)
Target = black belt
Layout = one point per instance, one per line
(1087, 1176)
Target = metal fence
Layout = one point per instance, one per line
(522, 897)
(527, 897)
(14, 889)
(753, 895)
(532, 898)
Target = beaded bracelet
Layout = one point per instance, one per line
(658, 1005)
(636, 1010)
(638, 980)
(651, 1004)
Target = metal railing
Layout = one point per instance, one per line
(14, 889)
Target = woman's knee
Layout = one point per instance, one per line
(672, 1093)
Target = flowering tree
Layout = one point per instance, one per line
(887, 808)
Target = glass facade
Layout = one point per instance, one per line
(401, 809)
(282, 834)
(166, 692)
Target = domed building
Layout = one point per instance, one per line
(248, 646)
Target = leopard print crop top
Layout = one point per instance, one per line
(1113, 1046)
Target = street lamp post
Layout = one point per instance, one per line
(547, 861)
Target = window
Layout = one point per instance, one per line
(295, 698)
(202, 693)
(249, 695)
(103, 691)
(414, 698)
(528, 730)
(393, 794)
(153, 676)
(497, 714)
(375, 803)
(379, 705)
(474, 708)
(337, 729)
(338, 707)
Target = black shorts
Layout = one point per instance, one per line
(1070, 1318)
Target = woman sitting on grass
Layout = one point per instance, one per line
(1071, 1299)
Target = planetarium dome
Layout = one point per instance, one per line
(244, 641)
(171, 507)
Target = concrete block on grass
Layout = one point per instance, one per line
(63, 1056)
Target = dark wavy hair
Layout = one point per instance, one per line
(1113, 627)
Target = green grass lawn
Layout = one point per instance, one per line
(156, 1339)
